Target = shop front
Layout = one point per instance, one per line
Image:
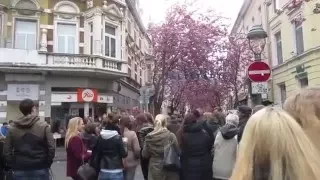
(18, 92)
(83, 103)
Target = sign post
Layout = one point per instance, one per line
(259, 73)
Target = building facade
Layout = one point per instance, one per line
(293, 44)
(252, 12)
(73, 57)
(294, 33)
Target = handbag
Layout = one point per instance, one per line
(171, 159)
(85, 171)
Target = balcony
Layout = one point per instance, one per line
(18, 59)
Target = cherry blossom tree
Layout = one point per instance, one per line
(238, 58)
(187, 43)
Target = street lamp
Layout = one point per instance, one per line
(257, 41)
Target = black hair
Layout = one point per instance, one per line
(5, 123)
(26, 106)
(10, 121)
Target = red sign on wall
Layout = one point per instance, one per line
(87, 95)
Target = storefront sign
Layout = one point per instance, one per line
(105, 99)
(19, 92)
(87, 95)
(68, 97)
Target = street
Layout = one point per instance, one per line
(59, 171)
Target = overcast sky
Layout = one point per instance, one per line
(155, 10)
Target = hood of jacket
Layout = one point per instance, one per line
(157, 141)
(108, 134)
(229, 131)
(26, 121)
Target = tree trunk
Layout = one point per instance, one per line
(157, 108)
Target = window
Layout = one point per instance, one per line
(140, 72)
(304, 82)
(135, 36)
(140, 81)
(299, 37)
(279, 47)
(136, 77)
(129, 62)
(66, 38)
(129, 72)
(135, 67)
(91, 37)
(276, 5)
(129, 26)
(25, 35)
(140, 43)
(110, 41)
(283, 92)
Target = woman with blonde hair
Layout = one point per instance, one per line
(274, 147)
(155, 143)
(76, 150)
(304, 107)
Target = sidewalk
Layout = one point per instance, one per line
(61, 154)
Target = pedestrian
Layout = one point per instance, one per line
(304, 107)
(275, 147)
(144, 125)
(257, 108)
(153, 149)
(4, 129)
(77, 152)
(211, 124)
(133, 159)
(225, 147)
(244, 114)
(89, 135)
(110, 150)
(196, 145)
(2, 160)
(173, 125)
(29, 147)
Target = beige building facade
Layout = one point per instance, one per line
(55, 52)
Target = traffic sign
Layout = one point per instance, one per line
(259, 71)
(259, 87)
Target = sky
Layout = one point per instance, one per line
(155, 10)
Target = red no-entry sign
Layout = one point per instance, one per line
(259, 71)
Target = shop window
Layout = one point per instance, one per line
(304, 82)
(283, 92)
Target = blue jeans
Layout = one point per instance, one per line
(110, 176)
(41, 174)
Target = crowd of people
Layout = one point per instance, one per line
(263, 143)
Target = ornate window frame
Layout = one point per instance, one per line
(16, 16)
(72, 18)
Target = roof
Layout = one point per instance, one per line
(245, 6)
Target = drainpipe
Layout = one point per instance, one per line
(269, 50)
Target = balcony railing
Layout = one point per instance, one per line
(59, 60)
(87, 61)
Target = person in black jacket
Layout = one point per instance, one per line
(196, 145)
(244, 112)
(2, 161)
(29, 147)
(109, 151)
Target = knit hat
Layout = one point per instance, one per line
(232, 119)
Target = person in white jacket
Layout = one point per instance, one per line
(225, 148)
